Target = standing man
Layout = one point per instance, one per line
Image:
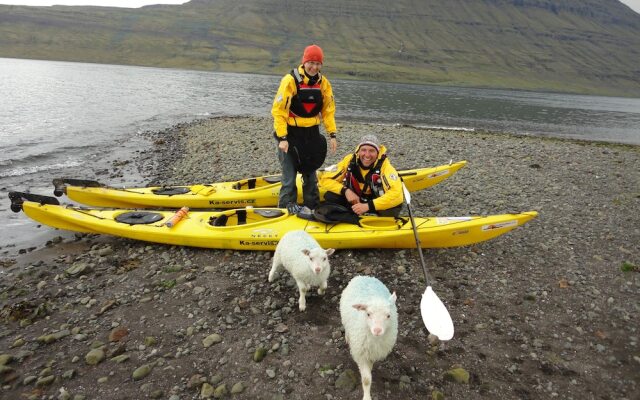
(304, 98)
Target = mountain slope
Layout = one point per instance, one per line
(590, 46)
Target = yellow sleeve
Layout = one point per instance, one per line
(392, 188)
(328, 107)
(331, 181)
(281, 104)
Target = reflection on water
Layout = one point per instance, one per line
(575, 116)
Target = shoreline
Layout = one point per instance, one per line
(546, 310)
(118, 166)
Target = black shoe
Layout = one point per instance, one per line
(305, 213)
(293, 208)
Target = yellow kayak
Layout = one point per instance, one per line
(257, 192)
(261, 228)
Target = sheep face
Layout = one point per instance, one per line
(378, 315)
(318, 259)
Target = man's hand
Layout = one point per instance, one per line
(360, 208)
(283, 145)
(333, 145)
(351, 197)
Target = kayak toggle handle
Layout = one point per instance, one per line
(17, 198)
(60, 184)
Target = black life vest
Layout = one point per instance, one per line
(307, 101)
(373, 187)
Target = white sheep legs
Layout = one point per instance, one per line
(275, 269)
(303, 288)
(365, 375)
(322, 288)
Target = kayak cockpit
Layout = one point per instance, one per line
(257, 183)
(171, 190)
(138, 217)
(382, 223)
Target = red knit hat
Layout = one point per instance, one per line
(312, 53)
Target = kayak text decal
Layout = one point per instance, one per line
(233, 202)
(264, 233)
(439, 173)
(258, 242)
(500, 225)
(448, 220)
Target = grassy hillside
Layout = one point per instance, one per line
(584, 46)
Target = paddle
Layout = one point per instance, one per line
(434, 313)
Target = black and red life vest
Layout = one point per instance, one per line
(373, 187)
(307, 101)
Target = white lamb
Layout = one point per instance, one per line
(306, 261)
(370, 319)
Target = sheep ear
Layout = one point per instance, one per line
(330, 251)
(360, 307)
(393, 298)
(306, 252)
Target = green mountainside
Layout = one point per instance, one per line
(579, 46)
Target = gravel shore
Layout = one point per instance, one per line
(549, 310)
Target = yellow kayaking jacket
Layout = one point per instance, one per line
(334, 181)
(282, 102)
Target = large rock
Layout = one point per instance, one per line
(211, 340)
(259, 354)
(46, 339)
(5, 359)
(78, 268)
(118, 333)
(206, 392)
(237, 388)
(94, 357)
(459, 375)
(142, 371)
(220, 391)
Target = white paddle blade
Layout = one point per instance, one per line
(435, 315)
(407, 196)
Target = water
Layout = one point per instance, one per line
(593, 118)
(56, 114)
(60, 119)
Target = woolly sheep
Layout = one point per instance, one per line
(370, 319)
(306, 261)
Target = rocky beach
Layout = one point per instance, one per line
(549, 310)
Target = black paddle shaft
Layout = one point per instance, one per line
(415, 235)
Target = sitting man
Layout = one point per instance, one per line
(365, 181)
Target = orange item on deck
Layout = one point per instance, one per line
(177, 217)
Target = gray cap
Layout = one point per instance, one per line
(370, 140)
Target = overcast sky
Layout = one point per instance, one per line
(107, 3)
(633, 4)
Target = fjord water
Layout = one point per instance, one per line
(62, 119)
